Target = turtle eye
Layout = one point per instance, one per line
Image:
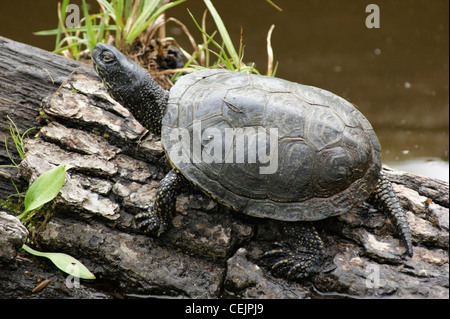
(108, 57)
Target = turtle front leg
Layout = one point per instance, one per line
(300, 255)
(157, 218)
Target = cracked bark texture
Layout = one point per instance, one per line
(209, 251)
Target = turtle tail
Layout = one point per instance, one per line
(385, 199)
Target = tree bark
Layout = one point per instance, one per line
(27, 75)
(209, 251)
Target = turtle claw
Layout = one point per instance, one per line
(150, 221)
(291, 264)
(156, 219)
(300, 257)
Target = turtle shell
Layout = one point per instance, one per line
(269, 147)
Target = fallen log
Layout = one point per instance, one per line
(210, 251)
(27, 75)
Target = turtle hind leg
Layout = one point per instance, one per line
(300, 255)
(157, 217)
(385, 199)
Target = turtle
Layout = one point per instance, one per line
(260, 145)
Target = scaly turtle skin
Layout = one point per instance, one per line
(327, 158)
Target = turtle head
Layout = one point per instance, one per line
(119, 74)
(130, 85)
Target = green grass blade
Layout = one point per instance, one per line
(109, 8)
(81, 28)
(44, 189)
(9, 155)
(149, 14)
(90, 34)
(165, 7)
(142, 21)
(17, 138)
(224, 34)
(47, 32)
(221, 56)
(274, 5)
(75, 46)
(63, 12)
(101, 32)
(66, 263)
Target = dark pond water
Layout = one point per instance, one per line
(397, 75)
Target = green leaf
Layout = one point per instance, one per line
(66, 263)
(44, 188)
